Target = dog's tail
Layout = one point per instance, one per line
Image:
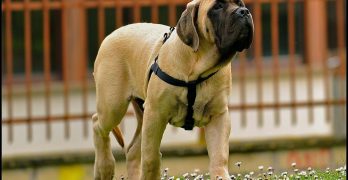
(139, 111)
(116, 131)
(118, 135)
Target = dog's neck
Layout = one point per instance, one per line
(188, 65)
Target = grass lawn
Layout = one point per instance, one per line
(309, 174)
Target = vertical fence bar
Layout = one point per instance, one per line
(28, 68)
(47, 64)
(341, 35)
(326, 85)
(242, 74)
(172, 14)
(65, 67)
(101, 21)
(136, 11)
(9, 67)
(275, 58)
(84, 66)
(341, 50)
(308, 64)
(309, 92)
(258, 57)
(292, 61)
(154, 12)
(119, 14)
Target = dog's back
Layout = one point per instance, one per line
(135, 46)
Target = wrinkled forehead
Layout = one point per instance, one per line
(206, 5)
(225, 1)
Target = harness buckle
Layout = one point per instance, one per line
(165, 37)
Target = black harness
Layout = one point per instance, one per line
(191, 86)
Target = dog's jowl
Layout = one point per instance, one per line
(197, 55)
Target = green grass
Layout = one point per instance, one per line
(309, 174)
(332, 175)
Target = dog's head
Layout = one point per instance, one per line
(226, 23)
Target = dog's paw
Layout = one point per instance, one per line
(104, 170)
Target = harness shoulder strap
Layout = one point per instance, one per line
(164, 76)
(170, 80)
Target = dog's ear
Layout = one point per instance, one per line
(186, 27)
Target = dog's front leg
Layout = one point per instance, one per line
(152, 132)
(217, 134)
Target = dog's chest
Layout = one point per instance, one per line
(203, 108)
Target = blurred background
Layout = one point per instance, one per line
(288, 101)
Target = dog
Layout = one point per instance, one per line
(207, 36)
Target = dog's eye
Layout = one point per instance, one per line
(218, 5)
(239, 3)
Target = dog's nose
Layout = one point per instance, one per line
(242, 11)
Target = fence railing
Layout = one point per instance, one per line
(303, 60)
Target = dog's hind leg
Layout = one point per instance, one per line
(112, 104)
(133, 153)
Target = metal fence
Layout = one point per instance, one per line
(313, 58)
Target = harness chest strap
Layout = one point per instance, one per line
(191, 86)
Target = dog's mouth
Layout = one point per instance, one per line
(237, 37)
(244, 37)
